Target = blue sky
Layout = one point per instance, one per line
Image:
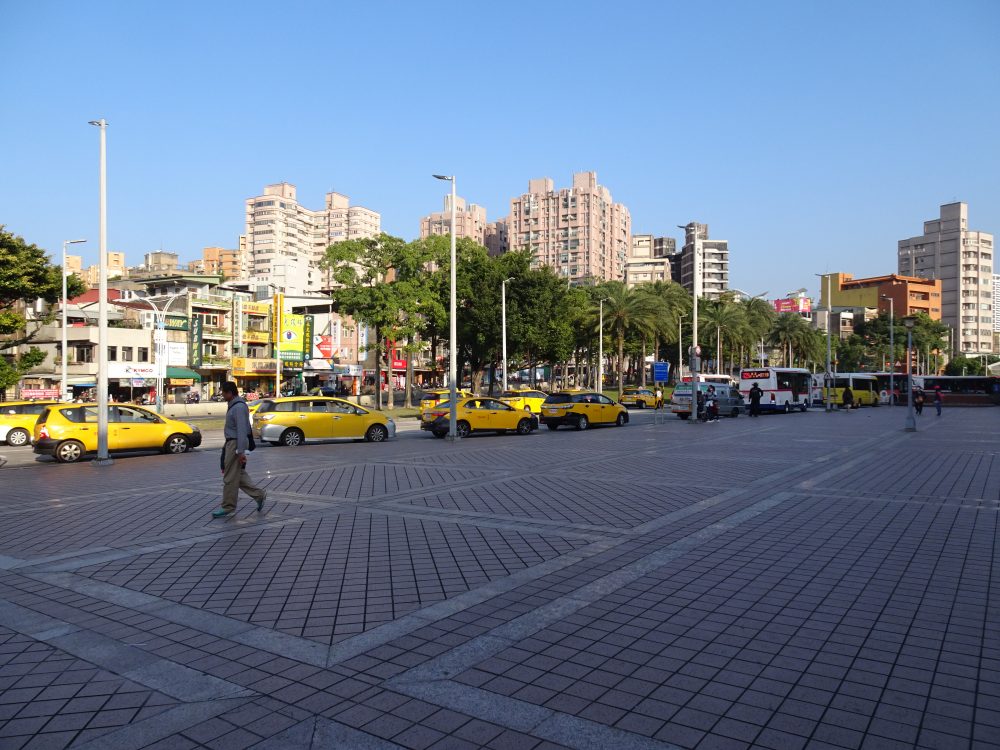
(810, 135)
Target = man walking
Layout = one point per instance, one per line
(234, 455)
(937, 399)
(755, 395)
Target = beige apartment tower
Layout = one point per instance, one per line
(470, 221)
(714, 262)
(649, 259)
(578, 231)
(962, 259)
(278, 227)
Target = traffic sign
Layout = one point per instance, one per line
(661, 372)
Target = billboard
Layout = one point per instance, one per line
(793, 305)
(296, 343)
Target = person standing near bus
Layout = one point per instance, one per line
(937, 399)
(756, 394)
(848, 399)
(918, 401)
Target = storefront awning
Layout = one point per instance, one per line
(182, 373)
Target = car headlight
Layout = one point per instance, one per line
(194, 428)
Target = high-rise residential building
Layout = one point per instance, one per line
(497, 240)
(649, 259)
(714, 261)
(220, 261)
(996, 303)
(470, 221)
(74, 265)
(963, 261)
(116, 270)
(278, 227)
(909, 295)
(579, 231)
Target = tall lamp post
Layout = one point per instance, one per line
(66, 390)
(828, 377)
(600, 347)
(452, 321)
(892, 349)
(911, 424)
(103, 457)
(160, 343)
(680, 348)
(503, 324)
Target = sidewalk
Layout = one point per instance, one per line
(807, 580)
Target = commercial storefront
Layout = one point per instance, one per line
(254, 375)
(180, 381)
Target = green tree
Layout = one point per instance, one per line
(26, 275)
(760, 316)
(788, 331)
(729, 322)
(627, 311)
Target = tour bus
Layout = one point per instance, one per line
(963, 390)
(864, 386)
(785, 388)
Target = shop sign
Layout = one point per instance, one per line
(257, 308)
(322, 347)
(256, 337)
(181, 381)
(177, 354)
(349, 370)
(175, 323)
(138, 382)
(40, 393)
(243, 366)
(130, 370)
(296, 338)
(195, 343)
(399, 364)
(237, 324)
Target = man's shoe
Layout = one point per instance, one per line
(223, 513)
(260, 503)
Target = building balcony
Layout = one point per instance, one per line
(211, 300)
(216, 333)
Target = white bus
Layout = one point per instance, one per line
(785, 388)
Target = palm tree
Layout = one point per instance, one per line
(723, 315)
(627, 311)
(786, 332)
(760, 316)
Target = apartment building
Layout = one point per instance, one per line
(116, 270)
(470, 221)
(962, 259)
(220, 261)
(996, 304)
(497, 239)
(278, 227)
(74, 265)
(649, 259)
(909, 295)
(579, 231)
(714, 269)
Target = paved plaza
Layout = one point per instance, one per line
(807, 580)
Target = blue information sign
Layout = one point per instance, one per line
(661, 372)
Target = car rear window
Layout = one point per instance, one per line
(43, 417)
(559, 398)
(265, 406)
(430, 397)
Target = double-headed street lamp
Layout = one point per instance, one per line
(452, 321)
(160, 343)
(911, 424)
(892, 349)
(67, 392)
(503, 325)
(103, 456)
(600, 347)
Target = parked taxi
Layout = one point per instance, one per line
(292, 420)
(639, 397)
(581, 409)
(478, 414)
(430, 399)
(69, 431)
(17, 420)
(524, 399)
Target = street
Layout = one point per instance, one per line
(803, 580)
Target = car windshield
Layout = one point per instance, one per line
(430, 397)
(558, 398)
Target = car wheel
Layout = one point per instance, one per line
(736, 413)
(582, 423)
(524, 427)
(804, 408)
(640, 404)
(377, 433)
(18, 437)
(622, 420)
(788, 408)
(292, 437)
(552, 427)
(69, 451)
(176, 444)
(462, 429)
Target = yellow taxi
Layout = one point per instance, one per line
(524, 399)
(430, 399)
(581, 409)
(68, 432)
(639, 397)
(478, 414)
(17, 420)
(292, 420)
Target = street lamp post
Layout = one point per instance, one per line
(103, 457)
(892, 349)
(600, 347)
(66, 391)
(503, 324)
(828, 377)
(911, 424)
(160, 343)
(452, 320)
(680, 348)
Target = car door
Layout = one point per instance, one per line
(346, 421)
(500, 416)
(313, 418)
(133, 429)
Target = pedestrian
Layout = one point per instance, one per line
(659, 398)
(712, 405)
(848, 399)
(918, 400)
(755, 396)
(233, 461)
(937, 399)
